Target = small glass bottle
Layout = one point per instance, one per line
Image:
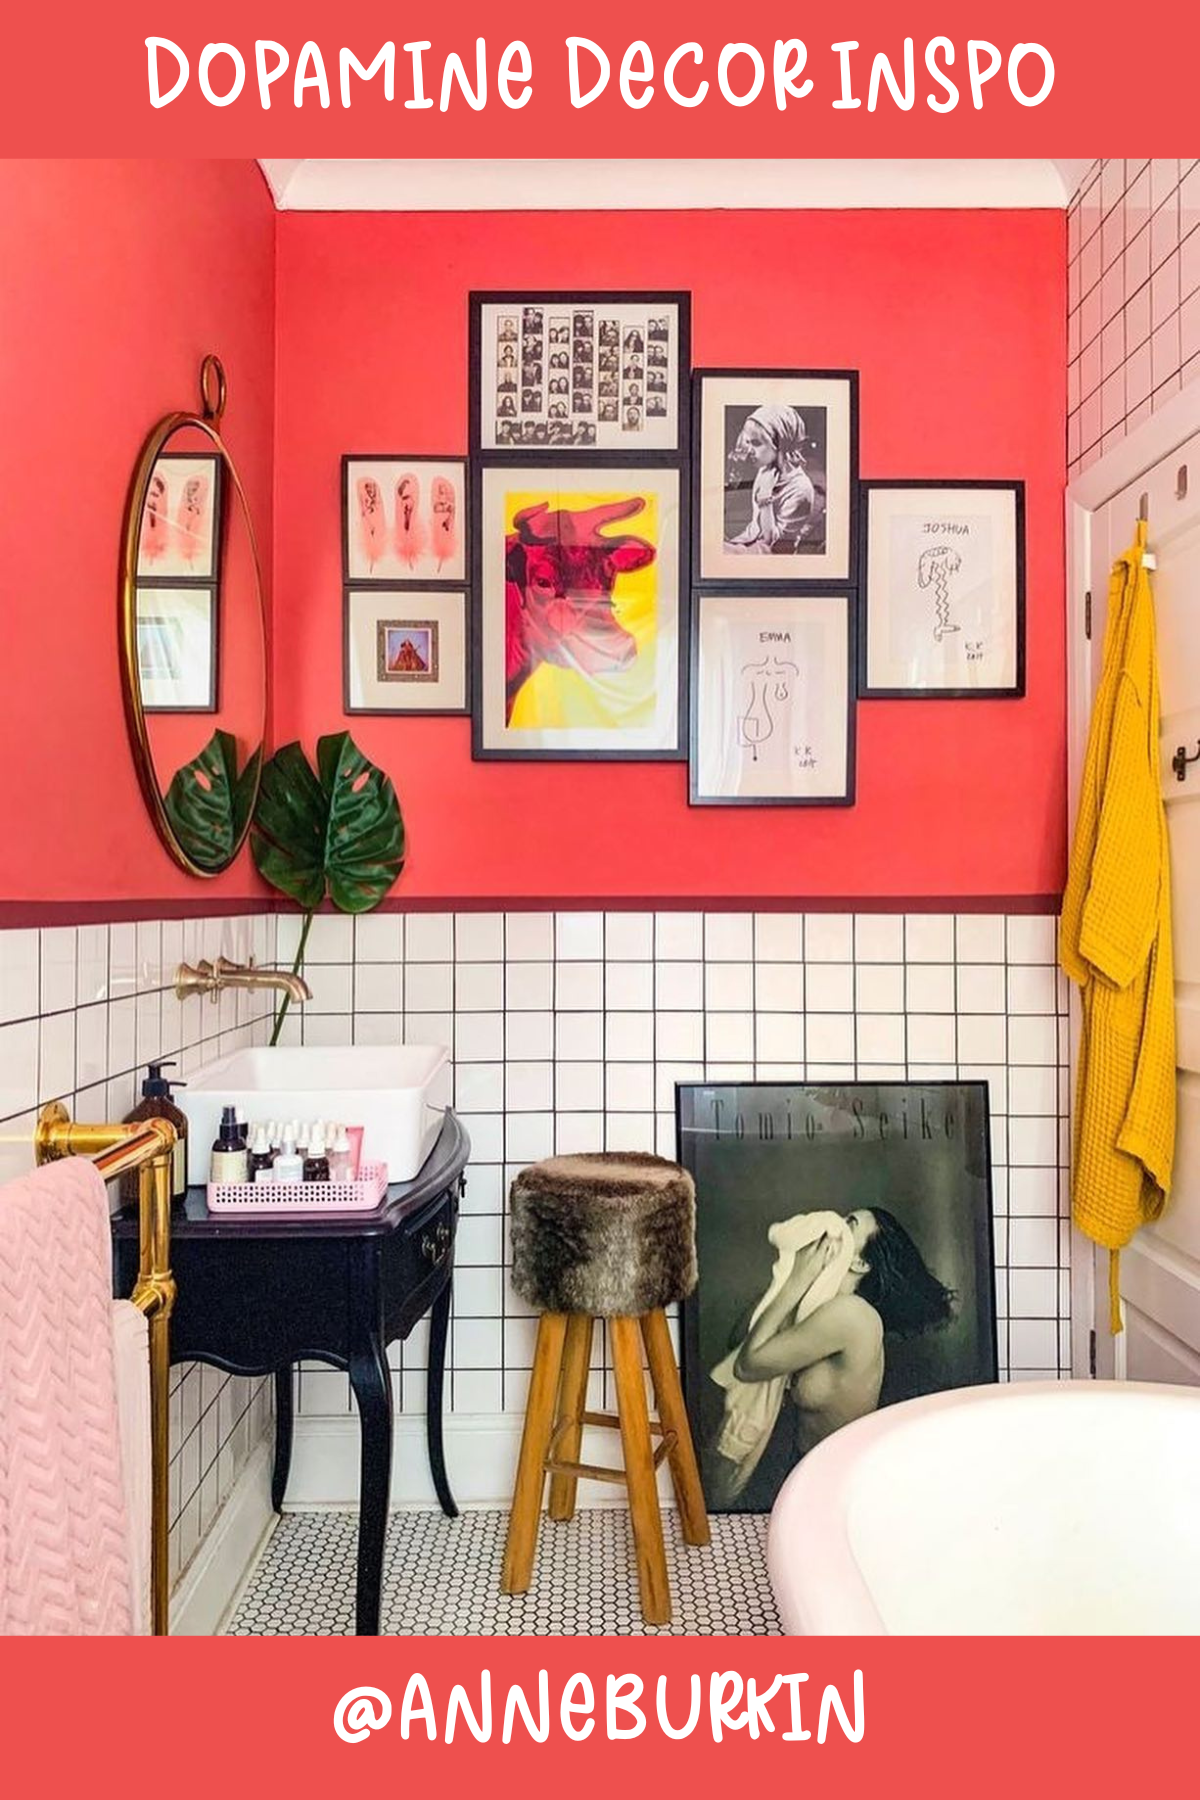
(341, 1158)
(316, 1163)
(262, 1157)
(289, 1166)
(230, 1160)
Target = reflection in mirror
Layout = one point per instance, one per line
(194, 641)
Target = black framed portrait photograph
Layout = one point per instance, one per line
(775, 468)
(603, 375)
(845, 1247)
(943, 590)
(772, 720)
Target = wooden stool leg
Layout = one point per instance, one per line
(685, 1476)
(535, 1441)
(639, 1471)
(572, 1400)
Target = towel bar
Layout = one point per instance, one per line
(117, 1150)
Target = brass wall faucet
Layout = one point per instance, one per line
(211, 977)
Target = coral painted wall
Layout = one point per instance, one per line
(118, 277)
(957, 323)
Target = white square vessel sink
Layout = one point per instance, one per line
(397, 1093)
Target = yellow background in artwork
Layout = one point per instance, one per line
(563, 697)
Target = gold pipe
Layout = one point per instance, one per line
(115, 1150)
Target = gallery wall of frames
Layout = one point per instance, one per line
(641, 560)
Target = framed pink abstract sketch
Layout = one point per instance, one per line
(404, 521)
(180, 531)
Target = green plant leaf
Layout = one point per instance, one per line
(337, 829)
(208, 802)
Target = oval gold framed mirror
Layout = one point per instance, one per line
(193, 635)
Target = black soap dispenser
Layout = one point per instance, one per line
(156, 1103)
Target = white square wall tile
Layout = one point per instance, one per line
(981, 988)
(629, 986)
(982, 1038)
(728, 937)
(58, 956)
(1032, 989)
(979, 937)
(429, 987)
(678, 986)
(881, 1038)
(579, 986)
(929, 937)
(479, 987)
(479, 1036)
(529, 987)
(829, 987)
(729, 1037)
(878, 938)
(579, 1037)
(479, 937)
(829, 1037)
(529, 1086)
(729, 987)
(779, 987)
(529, 1035)
(579, 936)
(1032, 938)
(779, 937)
(931, 1038)
(666, 1074)
(579, 1086)
(879, 987)
(679, 1036)
(629, 936)
(578, 1132)
(19, 980)
(828, 937)
(91, 964)
(378, 987)
(18, 1067)
(479, 1087)
(779, 1038)
(679, 936)
(1032, 1092)
(330, 938)
(379, 937)
(629, 1036)
(628, 1087)
(528, 936)
(929, 988)
(56, 1056)
(429, 937)
(1033, 1039)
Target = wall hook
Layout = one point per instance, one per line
(1181, 759)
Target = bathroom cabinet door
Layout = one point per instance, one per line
(1160, 1271)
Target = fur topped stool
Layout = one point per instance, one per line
(613, 1236)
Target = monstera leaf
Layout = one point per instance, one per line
(335, 830)
(208, 803)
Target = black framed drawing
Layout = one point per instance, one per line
(775, 477)
(599, 376)
(404, 650)
(772, 714)
(943, 590)
(404, 521)
(845, 1244)
(579, 618)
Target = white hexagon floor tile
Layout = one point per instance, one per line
(442, 1579)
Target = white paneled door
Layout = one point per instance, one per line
(1160, 1272)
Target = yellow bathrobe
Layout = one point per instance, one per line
(1115, 939)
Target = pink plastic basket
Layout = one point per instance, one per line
(259, 1197)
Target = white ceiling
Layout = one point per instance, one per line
(326, 184)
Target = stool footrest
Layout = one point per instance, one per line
(593, 1471)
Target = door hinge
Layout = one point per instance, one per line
(1087, 614)
(1091, 1353)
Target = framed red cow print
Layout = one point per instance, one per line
(578, 637)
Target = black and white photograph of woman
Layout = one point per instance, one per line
(844, 1244)
(774, 480)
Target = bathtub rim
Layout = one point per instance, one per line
(820, 1485)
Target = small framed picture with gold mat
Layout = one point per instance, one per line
(580, 612)
(405, 650)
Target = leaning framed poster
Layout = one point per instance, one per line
(604, 375)
(772, 699)
(844, 1238)
(580, 612)
(943, 591)
(775, 468)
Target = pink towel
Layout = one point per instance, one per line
(64, 1545)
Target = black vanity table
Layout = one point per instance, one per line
(256, 1295)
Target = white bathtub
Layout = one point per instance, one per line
(1040, 1507)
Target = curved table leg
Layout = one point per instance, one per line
(439, 1323)
(283, 1436)
(372, 1385)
